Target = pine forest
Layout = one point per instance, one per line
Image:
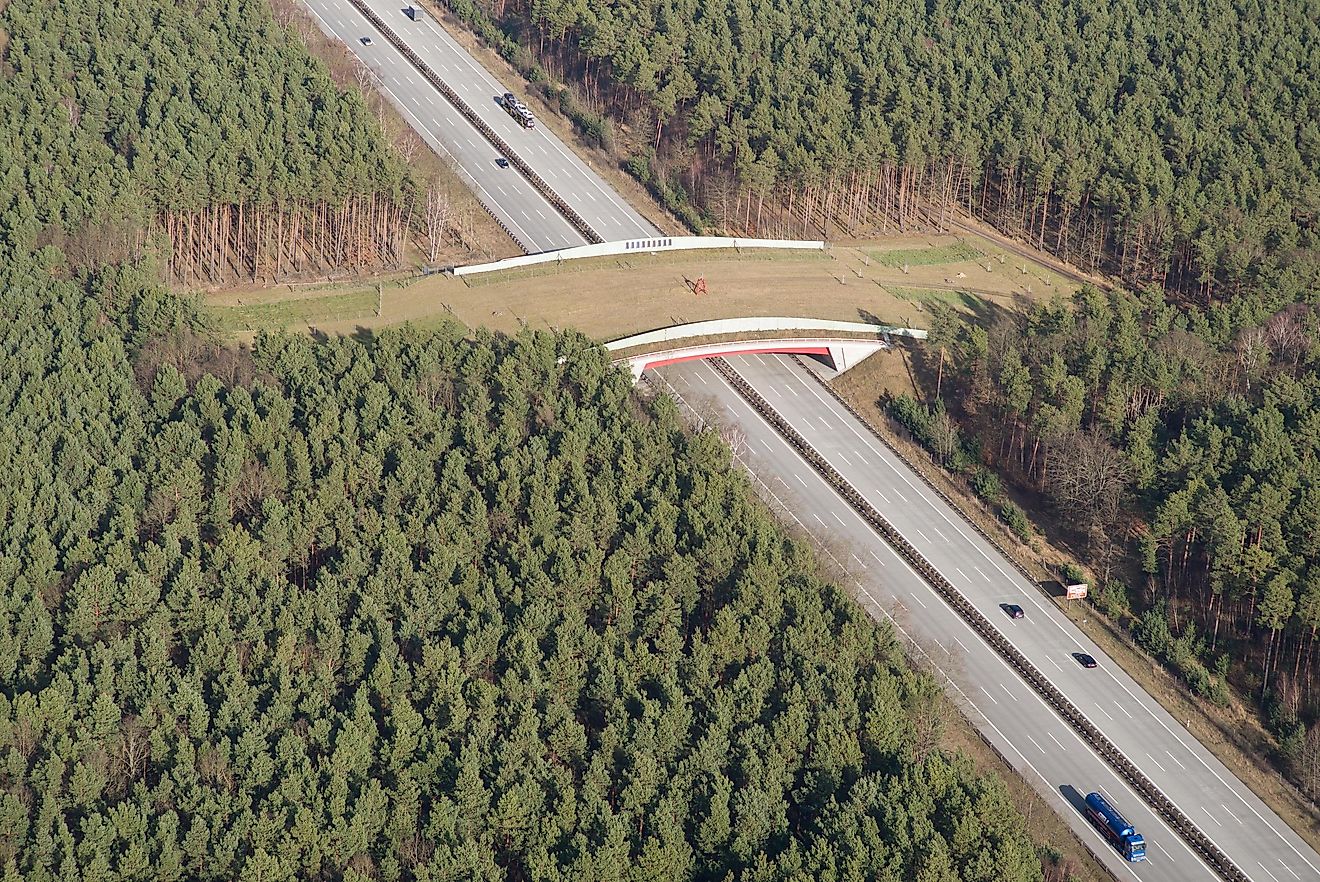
(1174, 142)
(206, 126)
(426, 608)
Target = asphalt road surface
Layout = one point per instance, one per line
(528, 215)
(1022, 726)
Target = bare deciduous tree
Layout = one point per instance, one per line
(1090, 478)
(1253, 352)
(1308, 762)
(132, 752)
(1287, 333)
(736, 438)
(436, 218)
(408, 144)
(364, 76)
(944, 432)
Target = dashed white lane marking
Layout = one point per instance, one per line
(1175, 759)
(1053, 662)
(1266, 869)
(989, 696)
(1124, 710)
(859, 561)
(960, 572)
(1006, 689)
(923, 536)
(1105, 712)
(840, 455)
(799, 477)
(839, 519)
(1033, 741)
(766, 445)
(919, 601)
(960, 643)
(818, 520)
(1163, 852)
(794, 391)
(1230, 813)
(980, 571)
(877, 558)
(1157, 763)
(1210, 816)
(1058, 742)
(1288, 868)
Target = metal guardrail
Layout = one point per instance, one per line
(1098, 741)
(903, 458)
(480, 125)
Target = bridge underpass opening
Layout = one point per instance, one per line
(775, 350)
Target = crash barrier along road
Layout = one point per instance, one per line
(480, 125)
(1092, 735)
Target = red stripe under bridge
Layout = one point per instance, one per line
(843, 343)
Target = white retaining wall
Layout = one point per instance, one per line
(657, 243)
(756, 323)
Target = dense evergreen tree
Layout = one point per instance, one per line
(208, 122)
(422, 608)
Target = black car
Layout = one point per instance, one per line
(366, 41)
(1013, 610)
(1084, 660)
(502, 162)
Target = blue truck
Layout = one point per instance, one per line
(1116, 829)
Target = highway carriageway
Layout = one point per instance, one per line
(550, 198)
(1054, 755)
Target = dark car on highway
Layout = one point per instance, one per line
(366, 41)
(1084, 660)
(1013, 610)
(502, 162)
